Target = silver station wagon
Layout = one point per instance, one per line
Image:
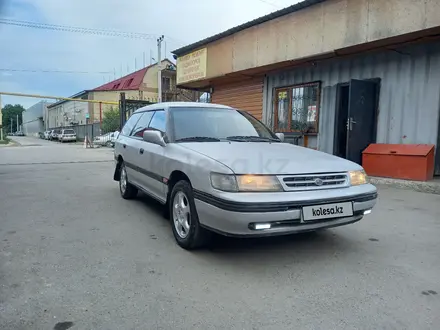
(218, 169)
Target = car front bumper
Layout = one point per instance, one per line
(283, 211)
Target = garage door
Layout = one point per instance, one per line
(246, 95)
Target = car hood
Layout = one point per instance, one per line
(271, 158)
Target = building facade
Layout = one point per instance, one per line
(34, 118)
(313, 68)
(139, 85)
(69, 113)
(406, 95)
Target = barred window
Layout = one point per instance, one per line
(297, 108)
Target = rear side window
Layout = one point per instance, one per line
(69, 131)
(142, 124)
(158, 121)
(129, 125)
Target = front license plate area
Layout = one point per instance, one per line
(327, 211)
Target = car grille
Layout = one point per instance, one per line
(314, 181)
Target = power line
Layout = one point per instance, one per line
(77, 29)
(54, 71)
(83, 30)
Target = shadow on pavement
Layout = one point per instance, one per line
(318, 245)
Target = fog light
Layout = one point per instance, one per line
(259, 226)
(367, 212)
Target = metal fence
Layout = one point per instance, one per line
(94, 131)
(128, 106)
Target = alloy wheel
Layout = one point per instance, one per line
(181, 214)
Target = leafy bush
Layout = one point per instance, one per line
(111, 120)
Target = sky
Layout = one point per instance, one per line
(104, 58)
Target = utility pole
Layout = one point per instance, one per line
(11, 124)
(17, 123)
(159, 69)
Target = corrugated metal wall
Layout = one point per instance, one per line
(245, 95)
(32, 124)
(409, 92)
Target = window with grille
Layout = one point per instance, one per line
(297, 108)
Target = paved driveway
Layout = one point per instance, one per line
(71, 250)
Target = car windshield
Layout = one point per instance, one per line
(209, 124)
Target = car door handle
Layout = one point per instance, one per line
(124, 145)
(141, 151)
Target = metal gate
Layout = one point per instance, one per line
(127, 107)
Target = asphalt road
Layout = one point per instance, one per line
(71, 250)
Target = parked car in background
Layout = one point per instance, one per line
(67, 135)
(218, 169)
(107, 139)
(54, 134)
(19, 133)
(41, 135)
(47, 135)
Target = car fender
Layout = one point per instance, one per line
(196, 166)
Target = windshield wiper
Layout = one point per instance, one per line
(244, 138)
(198, 139)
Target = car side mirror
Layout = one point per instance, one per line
(280, 136)
(155, 137)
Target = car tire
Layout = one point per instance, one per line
(184, 218)
(108, 144)
(127, 190)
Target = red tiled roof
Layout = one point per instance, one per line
(129, 82)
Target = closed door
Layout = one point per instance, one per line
(153, 160)
(137, 148)
(361, 118)
(125, 147)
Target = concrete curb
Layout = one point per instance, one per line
(14, 143)
(431, 187)
(10, 144)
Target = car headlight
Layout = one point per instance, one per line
(245, 183)
(358, 177)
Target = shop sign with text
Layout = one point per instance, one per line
(191, 66)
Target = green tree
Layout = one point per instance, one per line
(9, 112)
(111, 120)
